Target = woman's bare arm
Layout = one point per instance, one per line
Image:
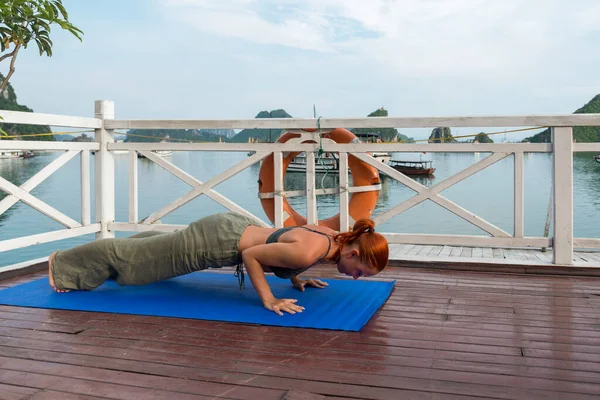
(288, 255)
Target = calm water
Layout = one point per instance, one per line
(488, 194)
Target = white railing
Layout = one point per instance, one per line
(105, 225)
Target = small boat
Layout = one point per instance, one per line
(382, 156)
(162, 153)
(597, 158)
(11, 154)
(28, 154)
(413, 167)
(328, 162)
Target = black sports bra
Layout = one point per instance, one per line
(280, 272)
(287, 273)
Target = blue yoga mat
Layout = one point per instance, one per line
(344, 305)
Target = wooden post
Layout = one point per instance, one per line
(562, 174)
(344, 195)
(519, 195)
(86, 213)
(278, 186)
(133, 188)
(311, 197)
(104, 170)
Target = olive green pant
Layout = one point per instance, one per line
(210, 242)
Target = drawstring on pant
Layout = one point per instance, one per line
(239, 274)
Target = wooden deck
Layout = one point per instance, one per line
(443, 334)
(492, 259)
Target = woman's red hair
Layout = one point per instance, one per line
(372, 246)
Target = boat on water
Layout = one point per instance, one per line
(329, 162)
(597, 158)
(162, 153)
(370, 137)
(11, 154)
(413, 167)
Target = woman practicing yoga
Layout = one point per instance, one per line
(221, 240)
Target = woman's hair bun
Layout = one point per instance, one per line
(364, 225)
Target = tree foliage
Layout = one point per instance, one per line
(26, 21)
(9, 102)
(262, 135)
(442, 135)
(178, 135)
(483, 138)
(386, 134)
(581, 134)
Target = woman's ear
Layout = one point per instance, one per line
(354, 253)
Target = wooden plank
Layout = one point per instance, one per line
(467, 252)
(441, 334)
(37, 204)
(133, 208)
(405, 249)
(477, 252)
(10, 392)
(54, 395)
(415, 250)
(86, 189)
(446, 250)
(435, 251)
(200, 188)
(311, 197)
(562, 178)
(21, 117)
(456, 252)
(344, 196)
(44, 145)
(466, 240)
(585, 147)
(380, 122)
(424, 193)
(330, 146)
(104, 169)
(38, 178)
(519, 195)
(12, 244)
(424, 252)
(278, 188)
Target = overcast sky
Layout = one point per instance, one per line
(233, 58)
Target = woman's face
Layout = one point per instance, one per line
(351, 265)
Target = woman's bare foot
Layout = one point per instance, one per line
(50, 277)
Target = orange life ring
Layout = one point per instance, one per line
(361, 204)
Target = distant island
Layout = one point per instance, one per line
(581, 134)
(8, 101)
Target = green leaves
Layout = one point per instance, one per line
(2, 131)
(23, 21)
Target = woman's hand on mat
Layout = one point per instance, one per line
(279, 305)
(300, 284)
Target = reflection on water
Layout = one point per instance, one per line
(489, 194)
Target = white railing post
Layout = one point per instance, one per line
(562, 176)
(278, 186)
(133, 188)
(519, 201)
(311, 197)
(344, 195)
(104, 170)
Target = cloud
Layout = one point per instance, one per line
(468, 38)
